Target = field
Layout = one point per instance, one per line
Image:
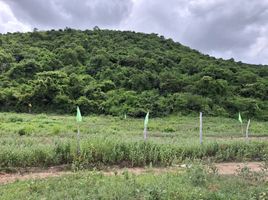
(29, 140)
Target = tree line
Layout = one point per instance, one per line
(118, 72)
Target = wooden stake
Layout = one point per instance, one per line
(201, 134)
(78, 140)
(247, 129)
(145, 133)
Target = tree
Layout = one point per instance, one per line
(5, 61)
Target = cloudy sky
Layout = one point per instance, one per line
(222, 28)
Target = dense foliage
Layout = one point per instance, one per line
(114, 72)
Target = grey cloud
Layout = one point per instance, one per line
(72, 13)
(34, 12)
(226, 25)
(8, 22)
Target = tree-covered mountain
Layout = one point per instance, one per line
(116, 72)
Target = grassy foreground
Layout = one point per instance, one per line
(44, 140)
(196, 183)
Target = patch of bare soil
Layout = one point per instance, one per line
(38, 173)
(231, 168)
(254, 138)
(140, 170)
(32, 173)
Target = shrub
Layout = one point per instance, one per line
(197, 175)
(25, 131)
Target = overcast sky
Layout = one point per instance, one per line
(222, 28)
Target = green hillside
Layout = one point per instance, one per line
(116, 72)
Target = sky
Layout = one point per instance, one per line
(222, 28)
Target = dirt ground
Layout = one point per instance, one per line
(231, 168)
(251, 138)
(38, 173)
(33, 173)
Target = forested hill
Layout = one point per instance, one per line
(115, 72)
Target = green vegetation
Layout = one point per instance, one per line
(113, 72)
(44, 140)
(196, 183)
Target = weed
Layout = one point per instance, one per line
(25, 131)
(169, 129)
(15, 119)
(56, 130)
(197, 174)
(253, 176)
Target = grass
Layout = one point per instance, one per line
(196, 183)
(28, 152)
(28, 140)
(169, 128)
(43, 140)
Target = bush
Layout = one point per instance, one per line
(15, 119)
(197, 175)
(25, 131)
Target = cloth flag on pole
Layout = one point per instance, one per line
(146, 120)
(78, 115)
(240, 118)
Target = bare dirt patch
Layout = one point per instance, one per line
(39, 173)
(231, 138)
(231, 168)
(32, 173)
(140, 170)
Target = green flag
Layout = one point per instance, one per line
(240, 118)
(146, 120)
(78, 115)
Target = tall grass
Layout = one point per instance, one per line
(102, 151)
